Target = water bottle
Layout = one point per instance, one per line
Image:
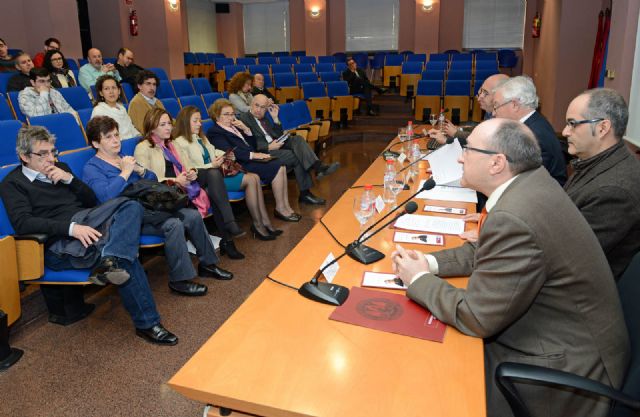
(389, 177)
(409, 130)
(416, 154)
(441, 120)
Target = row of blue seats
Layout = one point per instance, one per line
(416, 67)
(447, 88)
(231, 69)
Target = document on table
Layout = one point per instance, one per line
(445, 168)
(434, 224)
(443, 192)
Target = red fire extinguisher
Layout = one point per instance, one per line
(535, 29)
(133, 23)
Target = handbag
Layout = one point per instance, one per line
(157, 196)
(230, 166)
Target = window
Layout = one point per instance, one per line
(372, 25)
(266, 27)
(493, 24)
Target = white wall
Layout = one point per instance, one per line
(633, 127)
(201, 18)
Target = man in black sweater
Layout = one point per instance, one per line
(21, 80)
(127, 69)
(42, 196)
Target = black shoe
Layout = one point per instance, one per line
(371, 113)
(158, 335)
(273, 232)
(294, 217)
(324, 170)
(108, 271)
(213, 271)
(65, 321)
(188, 287)
(234, 230)
(312, 199)
(261, 236)
(227, 247)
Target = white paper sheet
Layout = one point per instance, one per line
(445, 168)
(419, 239)
(446, 193)
(330, 272)
(432, 224)
(381, 280)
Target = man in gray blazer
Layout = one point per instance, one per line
(295, 152)
(604, 184)
(540, 289)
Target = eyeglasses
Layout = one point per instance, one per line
(261, 107)
(43, 154)
(482, 92)
(56, 59)
(500, 105)
(43, 81)
(572, 123)
(485, 151)
(227, 114)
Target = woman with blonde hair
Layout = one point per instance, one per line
(240, 91)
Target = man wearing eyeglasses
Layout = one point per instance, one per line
(43, 197)
(40, 99)
(605, 183)
(540, 290)
(517, 99)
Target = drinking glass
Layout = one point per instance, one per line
(433, 119)
(363, 210)
(396, 186)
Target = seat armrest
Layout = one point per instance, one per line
(37, 237)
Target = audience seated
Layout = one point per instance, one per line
(93, 69)
(109, 173)
(604, 184)
(42, 196)
(231, 135)
(126, 67)
(360, 84)
(145, 100)
(516, 99)
(202, 155)
(196, 152)
(50, 44)
(540, 289)
(6, 60)
(21, 80)
(295, 152)
(40, 99)
(61, 75)
(240, 91)
(259, 88)
(108, 90)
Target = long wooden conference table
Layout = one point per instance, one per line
(280, 355)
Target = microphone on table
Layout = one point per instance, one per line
(335, 294)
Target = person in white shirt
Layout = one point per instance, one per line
(108, 90)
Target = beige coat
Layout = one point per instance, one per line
(541, 292)
(138, 108)
(153, 159)
(193, 151)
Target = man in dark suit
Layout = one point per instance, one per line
(540, 290)
(295, 153)
(127, 69)
(516, 99)
(360, 84)
(259, 88)
(604, 184)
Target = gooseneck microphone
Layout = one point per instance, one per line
(337, 294)
(367, 255)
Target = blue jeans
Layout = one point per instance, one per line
(122, 243)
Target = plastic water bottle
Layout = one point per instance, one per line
(389, 177)
(409, 130)
(416, 154)
(441, 120)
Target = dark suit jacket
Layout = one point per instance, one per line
(255, 92)
(356, 84)
(552, 157)
(274, 130)
(540, 292)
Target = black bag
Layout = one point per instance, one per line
(157, 196)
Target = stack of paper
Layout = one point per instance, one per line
(445, 168)
(447, 193)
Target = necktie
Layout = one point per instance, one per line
(266, 127)
(483, 216)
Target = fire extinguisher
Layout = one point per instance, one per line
(133, 23)
(535, 29)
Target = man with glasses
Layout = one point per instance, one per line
(293, 151)
(50, 44)
(43, 197)
(145, 100)
(604, 184)
(540, 290)
(40, 99)
(516, 99)
(21, 80)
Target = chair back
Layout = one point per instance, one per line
(341, 66)
(231, 70)
(182, 87)
(298, 53)
(337, 88)
(245, 61)
(84, 115)
(165, 90)
(128, 146)
(412, 67)
(127, 90)
(77, 159)
(287, 116)
(194, 101)
(325, 67)
(457, 88)
(436, 65)
(267, 60)
(206, 125)
(66, 129)
(15, 105)
(291, 60)
(5, 109)
(189, 58)
(5, 225)
(171, 106)
(393, 60)
(162, 75)
(307, 77)
(286, 79)
(259, 69)
(280, 68)
(201, 85)
(307, 60)
(437, 75)
(439, 57)
(76, 97)
(8, 134)
(329, 76)
(73, 65)
(210, 98)
(417, 58)
(429, 88)
(460, 65)
(302, 68)
(222, 62)
(313, 89)
(4, 80)
(459, 75)
(329, 59)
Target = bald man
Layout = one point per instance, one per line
(259, 88)
(94, 69)
(540, 289)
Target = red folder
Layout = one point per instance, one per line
(393, 313)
